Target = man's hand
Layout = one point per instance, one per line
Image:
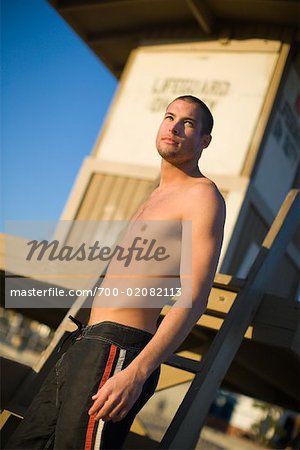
(117, 396)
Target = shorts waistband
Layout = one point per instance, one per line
(123, 335)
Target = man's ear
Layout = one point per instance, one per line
(206, 140)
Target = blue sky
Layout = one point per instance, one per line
(55, 94)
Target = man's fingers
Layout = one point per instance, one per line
(114, 417)
(111, 411)
(97, 405)
(103, 409)
(103, 412)
(100, 398)
(101, 393)
(118, 413)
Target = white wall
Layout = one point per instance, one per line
(233, 84)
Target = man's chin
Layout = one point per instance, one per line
(168, 155)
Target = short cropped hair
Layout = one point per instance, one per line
(207, 118)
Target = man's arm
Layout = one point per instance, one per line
(205, 207)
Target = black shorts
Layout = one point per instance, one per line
(58, 416)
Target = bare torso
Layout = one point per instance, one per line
(164, 207)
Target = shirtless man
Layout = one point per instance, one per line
(184, 194)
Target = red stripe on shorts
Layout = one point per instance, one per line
(106, 373)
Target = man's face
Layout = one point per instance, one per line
(179, 136)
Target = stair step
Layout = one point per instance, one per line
(181, 362)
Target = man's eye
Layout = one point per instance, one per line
(189, 123)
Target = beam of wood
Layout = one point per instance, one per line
(214, 323)
(5, 415)
(190, 417)
(220, 301)
(229, 282)
(170, 377)
(136, 35)
(265, 113)
(77, 5)
(202, 14)
(183, 363)
(152, 34)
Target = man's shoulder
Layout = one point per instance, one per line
(203, 194)
(204, 189)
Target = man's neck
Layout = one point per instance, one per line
(171, 175)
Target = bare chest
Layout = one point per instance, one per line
(160, 207)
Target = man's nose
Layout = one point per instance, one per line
(174, 128)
